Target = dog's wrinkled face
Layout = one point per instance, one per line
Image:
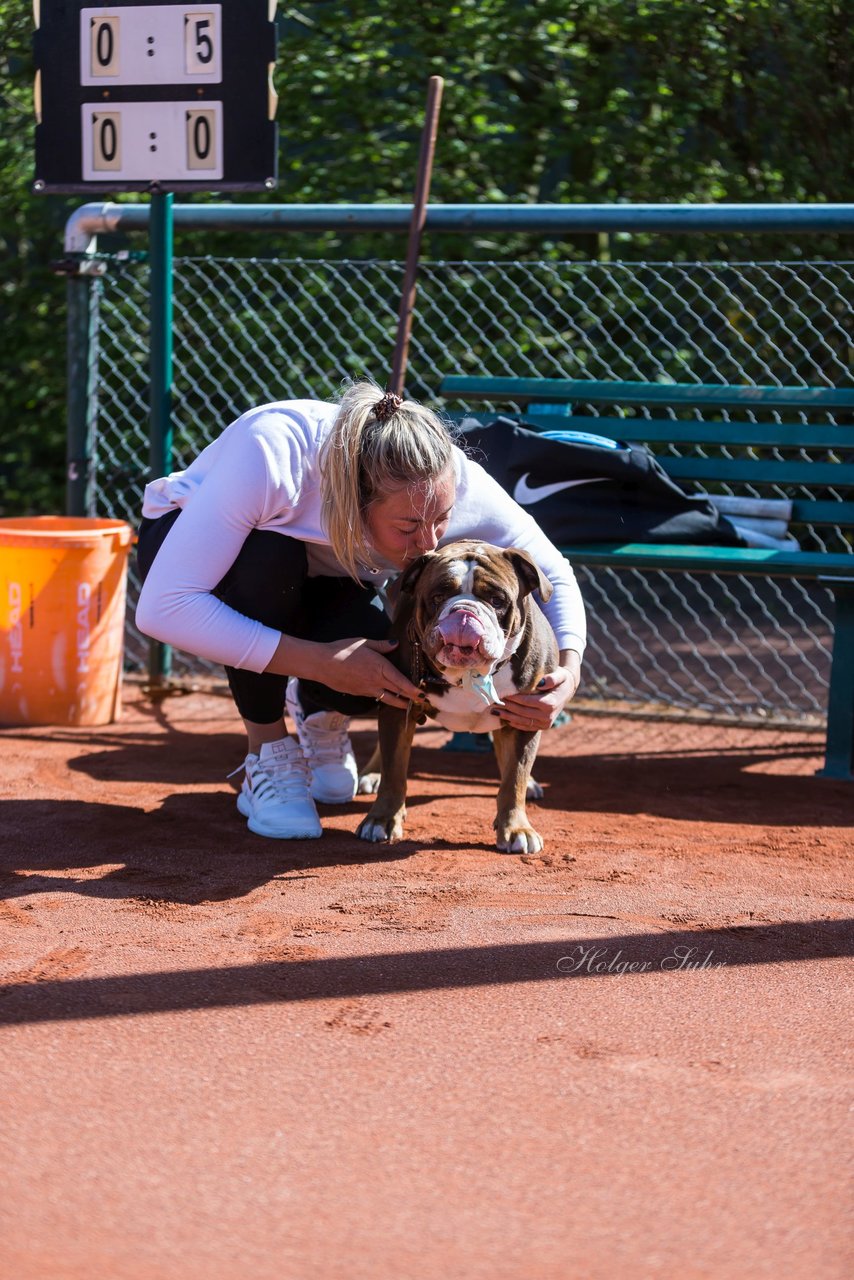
(468, 602)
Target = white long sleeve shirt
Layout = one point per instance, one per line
(263, 473)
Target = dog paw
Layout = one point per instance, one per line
(368, 784)
(519, 840)
(534, 791)
(381, 830)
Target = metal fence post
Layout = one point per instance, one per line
(839, 755)
(160, 451)
(83, 295)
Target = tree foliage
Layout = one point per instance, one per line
(545, 101)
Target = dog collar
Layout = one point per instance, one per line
(483, 686)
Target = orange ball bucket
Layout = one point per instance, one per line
(62, 614)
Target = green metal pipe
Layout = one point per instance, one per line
(82, 294)
(160, 440)
(160, 266)
(674, 219)
(839, 747)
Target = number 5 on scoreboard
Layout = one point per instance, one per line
(201, 39)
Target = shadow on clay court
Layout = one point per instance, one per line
(194, 848)
(274, 982)
(719, 785)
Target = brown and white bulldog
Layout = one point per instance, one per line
(469, 632)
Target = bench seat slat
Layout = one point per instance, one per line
(645, 393)
(817, 511)
(759, 471)
(784, 435)
(749, 560)
(781, 435)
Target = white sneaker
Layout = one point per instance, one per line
(275, 793)
(327, 748)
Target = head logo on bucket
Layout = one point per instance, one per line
(84, 595)
(16, 631)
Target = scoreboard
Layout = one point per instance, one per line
(136, 96)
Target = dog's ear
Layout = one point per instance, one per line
(413, 572)
(529, 574)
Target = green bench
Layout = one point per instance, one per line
(733, 456)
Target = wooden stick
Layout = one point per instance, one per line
(416, 227)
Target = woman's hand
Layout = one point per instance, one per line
(356, 665)
(539, 709)
(359, 666)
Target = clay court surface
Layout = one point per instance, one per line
(224, 1056)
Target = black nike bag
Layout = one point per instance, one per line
(579, 490)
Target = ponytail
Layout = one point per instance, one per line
(377, 444)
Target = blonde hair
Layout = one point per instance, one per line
(366, 457)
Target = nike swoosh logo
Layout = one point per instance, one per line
(526, 496)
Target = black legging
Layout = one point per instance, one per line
(269, 583)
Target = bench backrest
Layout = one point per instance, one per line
(797, 442)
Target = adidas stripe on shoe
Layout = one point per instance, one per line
(275, 797)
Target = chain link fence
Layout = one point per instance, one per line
(252, 330)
